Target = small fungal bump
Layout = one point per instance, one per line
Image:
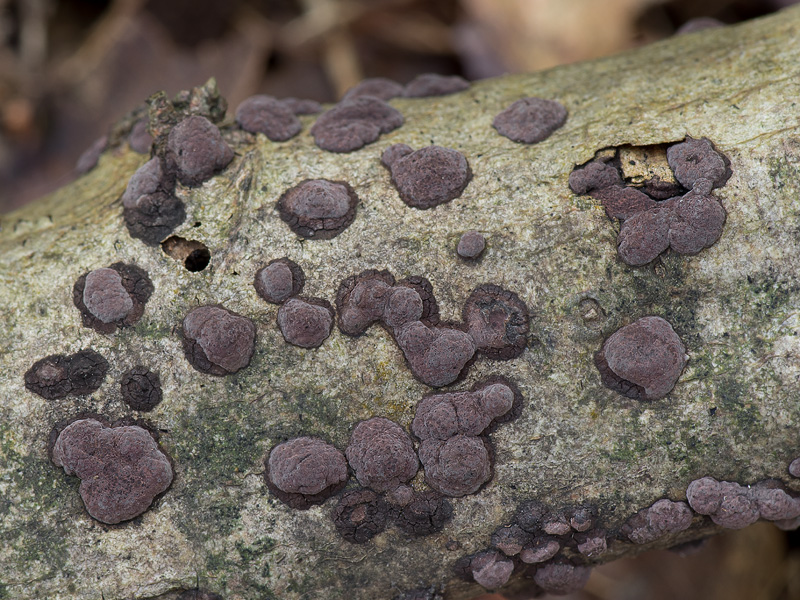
(623, 202)
(376, 87)
(268, 115)
(497, 320)
(354, 123)
(696, 159)
(57, 376)
(642, 360)
(194, 255)
(556, 524)
(360, 515)
(149, 208)
(458, 466)
(595, 175)
(112, 297)
(140, 139)
(490, 569)
(105, 297)
(196, 150)
(427, 177)
(539, 550)
(591, 543)
(560, 577)
(530, 120)
(433, 84)
(122, 469)
(511, 539)
(218, 341)
(305, 471)
(471, 245)
(141, 388)
(318, 209)
(305, 322)
(729, 504)
(381, 454)
(279, 280)
(88, 160)
(403, 305)
(794, 468)
(663, 517)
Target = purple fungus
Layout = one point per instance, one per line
(491, 569)
(381, 454)
(354, 123)
(305, 471)
(595, 175)
(705, 495)
(699, 24)
(425, 513)
(642, 360)
(403, 305)
(139, 138)
(218, 341)
(88, 160)
(361, 300)
(300, 106)
(794, 468)
(511, 539)
(582, 519)
(623, 202)
(112, 297)
(497, 320)
(141, 388)
(360, 515)
(437, 356)
(305, 322)
(458, 466)
(121, 469)
(318, 209)
(693, 160)
(270, 116)
(556, 524)
(149, 208)
(196, 150)
(433, 84)
(539, 550)
(471, 245)
(376, 87)
(592, 543)
(279, 280)
(774, 504)
(423, 287)
(427, 177)
(561, 577)
(697, 222)
(57, 376)
(644, 235)
(736, 511)
(664, 517)
(530, 120)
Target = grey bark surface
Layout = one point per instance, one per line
(734, 413)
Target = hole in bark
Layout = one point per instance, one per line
(194, 255)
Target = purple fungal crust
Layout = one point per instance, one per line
(511, 539)
(582, 519)
(140, 139)
(642, 360)
(664, 517)
(644, 235)
(561, 577)
(704, 495)
(733, 506)
(376, 87)
(794, 468)
(555, 524)
(403, 305)
(360, 515)
(736, 511)
(471, 245)
(218, 341)
(88, 160)
(305, 322)
(318, 209)
(150, 210)
(498, 322)
(697, 222)
(458, 466)
(787, 524)
(141, 388)
(57, 376)
(595, 175)
(436, 356)
(196, 150)
(361, 300)
(592, 543)
(279, 280)
(121, 469)
(197, 594)
(426, 513)
(433, 84)
(539, 550)
(774, 504)
(623, 202)
(305, 471)
(268, 115)
(693, 160)
(428, 177)
(381, 454)
(112, 297)
(489, 569)
(423, 287)
(352, 124)
(530, 120)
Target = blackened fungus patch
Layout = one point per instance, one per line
(591, 543)
(318, 208)
(692, 160)
(529, 515)
(497, 320)
(88, 160)
(582, 518)
(663, 518)
(376, 87)
(458, 466)
(305, 471)
(268, 115)
(471, 245)
(57, 376)
(360, 515)
(427, 177)
(218, 341)
(150, 209)
(122, 469)
(194, 255)
(642, 360)
(381, 454)
(352, 124)
(530, 120)
(555, 524)
(426, 513)
(196, 150)
(433, 84)
(305, 322)
(112, 297)
(279, 280)
(561, 577)
(141, 388)
(511, 539)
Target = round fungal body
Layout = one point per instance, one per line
(218, 341)
(196, 150)
(141, 389)
(381, 454)
(471, 245)
(318, 208)
(270, 116)
(360, 515)
(693, 160)
(279, 280)
(149, 207)
(353, 123)
(57, 376)
(642, 360)
(305, 322)
(530, 120)
(433, 84)
(376, 87)
(112, 297)
(561, 578)
(458, 466)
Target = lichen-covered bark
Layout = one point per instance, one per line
(733, 415)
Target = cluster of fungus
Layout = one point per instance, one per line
(683, 215)
(664, 517)
(112, 297)
(58, 375)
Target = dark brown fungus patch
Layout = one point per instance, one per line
(645, 235)
(268, 115)
(458, 466)
(376, 87)
(433, 84)
(141, 388)
(555, 524)
(529, 515)
(697, 222)
(693, 160)
(352, 124)
(305, 471)
(425, 513)
(664, 517)
(471, 245)
(279, 280)
(561, 577)
(150, 209)
(88, 160)
(305, 322)
(57, 376)
(112, 297)
(218, 341)
(497, 320)
(318, 208)
(360, 515)
(427, 177)
(511, 539)
(582, 518)
(381, 454)
(196, 150)
(121, 469)
(530, 120)
(194, 255)
(437, 355)
(642, 360)
(623, 202)
(197, 594)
